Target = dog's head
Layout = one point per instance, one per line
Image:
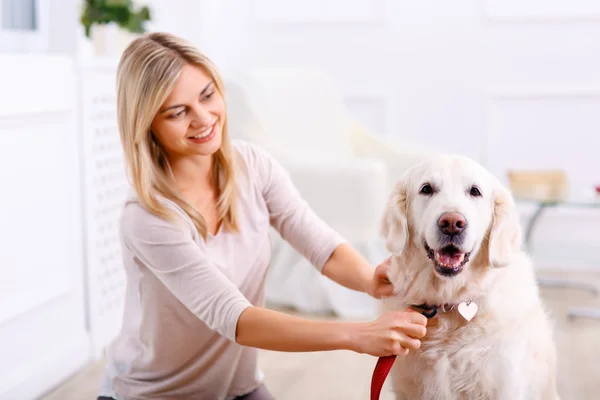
(454, 215)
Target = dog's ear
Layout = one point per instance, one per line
(394, 226)
(505, 232)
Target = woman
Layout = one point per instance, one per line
(195, 245)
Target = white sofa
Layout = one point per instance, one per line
(343, 171)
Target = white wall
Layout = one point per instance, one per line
(514, 84)
(43, 336)
(64, 29)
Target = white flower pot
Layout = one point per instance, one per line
(124, 38)
(105, 39)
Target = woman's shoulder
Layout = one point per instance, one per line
(136, 219)
(261, 170)
(256, 157)
(249, 151)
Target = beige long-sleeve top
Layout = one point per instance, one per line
(184, 295)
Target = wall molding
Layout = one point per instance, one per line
(540, 16)
(29, 295)
(546, 92)
(47, 355)
(512, 99)
(542, 19)
(48, 96)
(275, 13)
(53, 365)
(28, 302)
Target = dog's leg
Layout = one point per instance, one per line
(513, 385)
(436, 385)
(550, 390)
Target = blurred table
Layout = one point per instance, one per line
(591, 201)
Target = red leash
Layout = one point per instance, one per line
(384, 364)
(382, 369)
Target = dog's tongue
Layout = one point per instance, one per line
(449, 260)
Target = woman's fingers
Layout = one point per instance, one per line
(381, 286)
(405, 337)
(402, 343)
(413, 330)
(410, 343)
(401, 351)
(384, 290)
(415, 317)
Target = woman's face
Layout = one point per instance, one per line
(190, 121)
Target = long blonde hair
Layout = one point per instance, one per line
(146, 75)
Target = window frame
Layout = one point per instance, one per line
(20, 41)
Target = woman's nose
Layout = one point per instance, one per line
(201, 117)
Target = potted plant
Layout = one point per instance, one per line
(111, 24)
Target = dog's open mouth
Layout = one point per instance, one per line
(448, 261)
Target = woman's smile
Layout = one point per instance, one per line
(205, 135)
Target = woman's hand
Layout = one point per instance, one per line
(394, 333)
(381, 286)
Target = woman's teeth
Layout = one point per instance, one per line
(204, 133)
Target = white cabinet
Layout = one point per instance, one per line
(105, 187)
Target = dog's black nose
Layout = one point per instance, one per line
(452, 223)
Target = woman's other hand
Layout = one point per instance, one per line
(381, 286)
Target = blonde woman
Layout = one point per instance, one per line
(195, 245)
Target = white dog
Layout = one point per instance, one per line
(455, 239)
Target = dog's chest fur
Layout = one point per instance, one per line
(475, 360)
(457, 360)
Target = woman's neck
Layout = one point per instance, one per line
(193, 173)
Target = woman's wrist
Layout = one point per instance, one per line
(349, 268)
(367, 273)
(354, 336)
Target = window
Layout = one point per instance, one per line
(19, 15)
(23, 25)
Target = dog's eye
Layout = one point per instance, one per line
(475, 192)
(426, 189)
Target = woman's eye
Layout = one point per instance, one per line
(475, 192)
(177, 114)
(206, 97)
(426, 189)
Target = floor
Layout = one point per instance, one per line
(346, 375)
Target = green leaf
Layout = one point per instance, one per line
(120, 12)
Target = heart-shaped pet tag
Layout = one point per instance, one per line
(467, 310)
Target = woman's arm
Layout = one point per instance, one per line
(394, 333)
(293, 218)
(178, 262)
(349, 268)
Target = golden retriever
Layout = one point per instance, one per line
(455, 238)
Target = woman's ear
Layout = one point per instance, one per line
(394, 226)
(505, 232)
